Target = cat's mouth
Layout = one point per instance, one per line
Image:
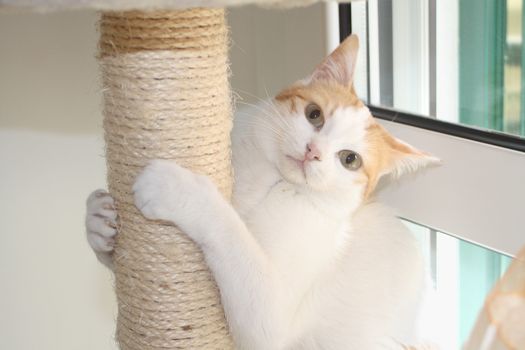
(298, 167)
(300, 172)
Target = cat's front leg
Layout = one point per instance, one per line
(254, 298)
(166, 191)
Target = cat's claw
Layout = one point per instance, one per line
(101, 225)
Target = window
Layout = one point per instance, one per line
(458, 61)
(446, 76)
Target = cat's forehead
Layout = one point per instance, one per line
(349, 120)
(330, 97)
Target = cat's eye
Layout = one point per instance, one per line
(314, 115)
(350, 159)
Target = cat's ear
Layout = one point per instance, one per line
(391, 156)
(404, 158)
(339, 66)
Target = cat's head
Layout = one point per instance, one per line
(328, 140)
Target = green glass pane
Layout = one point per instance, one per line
(491, 60)
(474, 46)
(480, 269)
(482, 40)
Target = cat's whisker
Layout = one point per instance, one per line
(254, 123)
(275, 130)
(269, 103)
(264, 136)
(258, 107)
(265, 101)
(257, 121)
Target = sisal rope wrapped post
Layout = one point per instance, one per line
(166, 95)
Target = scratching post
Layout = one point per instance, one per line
(166, 95)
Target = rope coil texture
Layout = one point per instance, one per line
(166, 95)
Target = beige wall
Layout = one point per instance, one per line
(271, 49)
(54, 294)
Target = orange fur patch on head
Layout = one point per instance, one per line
(328, 96)
(377, 156)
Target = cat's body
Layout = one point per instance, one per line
(361, 269)
(303, 259)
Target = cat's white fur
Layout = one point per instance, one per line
(300, 260)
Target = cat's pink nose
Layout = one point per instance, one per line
(312, 152)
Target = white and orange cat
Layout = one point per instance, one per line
(304, 259)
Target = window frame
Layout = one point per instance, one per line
(494, 223)
(491, 137)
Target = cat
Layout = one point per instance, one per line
(304, 257)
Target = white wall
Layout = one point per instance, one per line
(54, 294)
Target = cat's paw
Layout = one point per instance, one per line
(166, 191)
(101, 224)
